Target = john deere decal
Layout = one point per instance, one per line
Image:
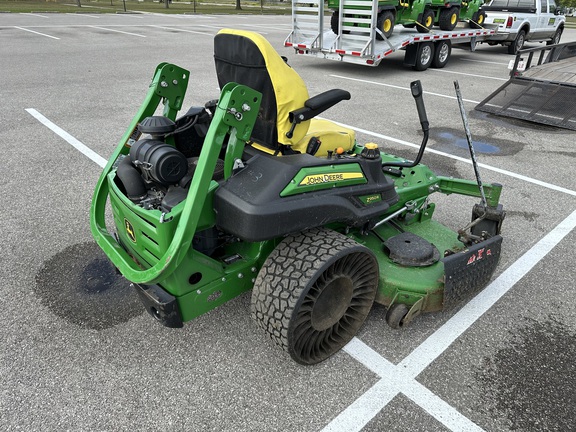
(327, 178)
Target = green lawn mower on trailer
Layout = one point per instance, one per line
(252, 192)
(419, 14)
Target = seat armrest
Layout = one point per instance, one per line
(318, 104)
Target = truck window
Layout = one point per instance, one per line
(510, 4)
(552, 6)
(543, 7)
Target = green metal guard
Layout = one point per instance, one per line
(236, 113)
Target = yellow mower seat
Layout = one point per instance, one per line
(284, 124)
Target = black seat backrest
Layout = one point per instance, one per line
(248, 58)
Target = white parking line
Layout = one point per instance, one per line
(182, 30)
(398, 87)
(83, 15)
(33, 14)
(448, 71)
(117, 31)
(38, 33)
(131, 15)
(483, 61)
(91, 154)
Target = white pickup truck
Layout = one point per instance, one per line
(519, 21)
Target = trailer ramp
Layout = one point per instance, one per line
(542, 93)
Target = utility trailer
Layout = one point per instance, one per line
(359, 40)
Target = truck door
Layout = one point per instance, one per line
(551, 19)
(542, 22)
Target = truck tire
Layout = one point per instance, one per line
(556, 38)
(448, 18)
(518, 43)
(477, 20)
(424, 56)
(314, 292)
(426, 21)
(385, 24)
(442, 51)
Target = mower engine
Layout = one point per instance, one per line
(157, 172)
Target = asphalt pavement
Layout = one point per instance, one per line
(79, 353)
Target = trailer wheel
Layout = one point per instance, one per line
(385, 24)
(518, 43)
(426, 21)
(314, 292)
(556, 38)
(442, 51)
(395, 315)
(424, 56)
(477, 20)
(448, 18)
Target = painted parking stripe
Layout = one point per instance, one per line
(117, 31)
(182, 30)
(467, 74)
(83, 15)
(38, 33)
(399, 87)
(33, 14)
(484, 61)
(91, 154)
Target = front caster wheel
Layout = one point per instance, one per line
(314, 292)
(396, 314)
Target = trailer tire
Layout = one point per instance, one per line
(442, 51)
(448, 18)
(314, 292)
(426, 21)
(424, 56)
(477, 20)
(518, 43)
(385, 24)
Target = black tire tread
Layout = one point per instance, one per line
(285, 274)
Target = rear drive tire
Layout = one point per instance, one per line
(448, 18)
(385, 24)
(478, 20)
(426, 21)
(314, 292)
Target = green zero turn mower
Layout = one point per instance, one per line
(252, 192)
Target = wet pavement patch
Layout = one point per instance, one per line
(80, 285)
(454, 141)
(531, 382)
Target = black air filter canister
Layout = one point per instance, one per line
(162, 162)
